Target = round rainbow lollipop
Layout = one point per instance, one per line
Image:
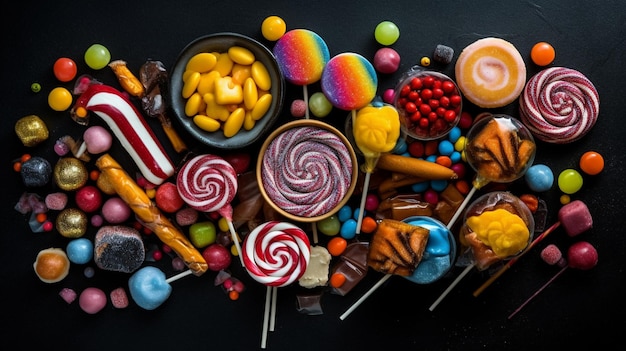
(301, 55)
(349, 81)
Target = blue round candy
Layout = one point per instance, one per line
(79, 251)
(445, 147)
(149, 288)
(344, 213)
(455, 157)
(454, 134)
(539, 178)
(431, 158)
(420, 187)
(438, 185)
(400, 147)
(348, 229)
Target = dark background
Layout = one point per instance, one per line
(577, 309)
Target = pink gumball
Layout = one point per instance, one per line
(92, 300)
(386, 60)
(115, 210)
(98, 139)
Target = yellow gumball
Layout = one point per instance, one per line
(60, 99)
(273, 28)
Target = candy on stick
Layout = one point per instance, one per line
(129, 126)
(275, 254)
(208, 183)
(149, 214)
(301, 55)
(349, 81)
(581, 255)
(575, 219)
(149, 288)
(498, 226)
(375, 130)
(154, 78)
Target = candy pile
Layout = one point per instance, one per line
(384, 200)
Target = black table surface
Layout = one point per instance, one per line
(579, 308)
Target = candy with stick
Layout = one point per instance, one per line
(581, 255)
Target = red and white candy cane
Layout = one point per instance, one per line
(559, 105)
(276, 253)
(129, 126)
(208, 183)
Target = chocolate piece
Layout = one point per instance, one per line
(352, 264)
(310, 304)
(118, 248)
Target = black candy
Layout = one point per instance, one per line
(36, 172)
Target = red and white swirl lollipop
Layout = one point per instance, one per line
(276, 253)
(208, 183)
(559, 105)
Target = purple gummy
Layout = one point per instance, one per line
(575, 218)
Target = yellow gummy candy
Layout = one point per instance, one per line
(376, 129)
(503, 231)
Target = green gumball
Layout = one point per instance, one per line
(202, 234)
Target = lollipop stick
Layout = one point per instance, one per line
(366, 184)
(459, 210)
(235, 239)
(273, 308)
(454, 283)
(178, 276)
(365, 296)
(513, 260)
(314, 229)
(537, 292)
(266, 315)
(305, 92)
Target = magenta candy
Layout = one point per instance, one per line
(582, 255)
(386, 60)
(92, 300)
(551, 254)
(115, 210)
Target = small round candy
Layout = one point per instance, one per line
(60, 99)
(97, 56)
(388, 96)
(570, 181)
(273, 27)
(329, 226)
(92, 300)
(79, 251)
(298, 108)
(386, 33)
(64, 69)
(348, 229)
(386, 60)
(319, 105)
(35, 87)
(344, 213)
(371, 202)
(542, 54)
(539, 178)
(98, 139)
(115, 210)
(425, 61)
(591, 163)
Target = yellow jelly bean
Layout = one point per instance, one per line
(215, 110)
(191, 84)
(207, 123)
(227, 91)
(192, 106)
(248, 121)
(460, 144)
(261, 76)
(261, 106)
(224, 65)
(202, 62)
(207, 82)
(234, 122)
(250, 93)
(241, 55)
(240, 73)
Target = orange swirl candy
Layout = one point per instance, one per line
(490, 72)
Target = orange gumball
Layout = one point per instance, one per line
(337, 245)
(542, 54)
(591, 163)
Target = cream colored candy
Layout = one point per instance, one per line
(316, 273)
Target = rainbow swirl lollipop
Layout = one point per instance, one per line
(301, 55)
(349, 81)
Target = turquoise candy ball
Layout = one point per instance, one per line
(539, 178)
(79, 251)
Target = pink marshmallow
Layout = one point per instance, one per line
(575, 218)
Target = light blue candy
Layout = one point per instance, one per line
(79, 251)
(438, 184)
(455, 157)
(401, 146)
(455, 134)
(420, 187)
(439, 252)
(539, 178)
(149, 288)
(445, 147)
(348, 229)
(431, 158)
(344, 213)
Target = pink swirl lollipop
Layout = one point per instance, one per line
(208, 183)
(349, 81)
(559, 105)
(301, 55)
(276, 253)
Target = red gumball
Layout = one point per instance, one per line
(386, 60)
(167, 198)
(217, 257)
(89, 198)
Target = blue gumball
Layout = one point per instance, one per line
(539, 178)
(348, 229)
(79, 251)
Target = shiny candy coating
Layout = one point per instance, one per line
(70, 173)
(301, 55)
(36, 172)
(349, 81)
(60, 99)
(570, 181)
(273, 28)
(386, 33)
(80, 250)
(439, 254)
(97, 56)
(31, 130)
(51, 265)
(72, 223)
(539, 178)
(276, 253)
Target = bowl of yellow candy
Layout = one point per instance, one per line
(226, 89)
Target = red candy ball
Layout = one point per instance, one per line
(386, 60)
(167, 198)
(65, 69)
(88, 198)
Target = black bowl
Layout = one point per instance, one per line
(221, 42)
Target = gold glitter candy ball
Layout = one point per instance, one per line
(31, 130)
(70, 173)
(72, 223)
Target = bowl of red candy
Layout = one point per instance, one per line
(429, 103)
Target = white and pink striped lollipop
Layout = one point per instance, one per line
(208, 183)
(276, 253)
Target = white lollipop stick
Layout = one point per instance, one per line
(305, 92)
(266, 315)
(454, 283)
(178, 276)
(273, 308)
(235, 239)
(365, 296)
(366, 184)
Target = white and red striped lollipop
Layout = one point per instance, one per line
(276, 253)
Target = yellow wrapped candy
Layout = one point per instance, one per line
(376, 130)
